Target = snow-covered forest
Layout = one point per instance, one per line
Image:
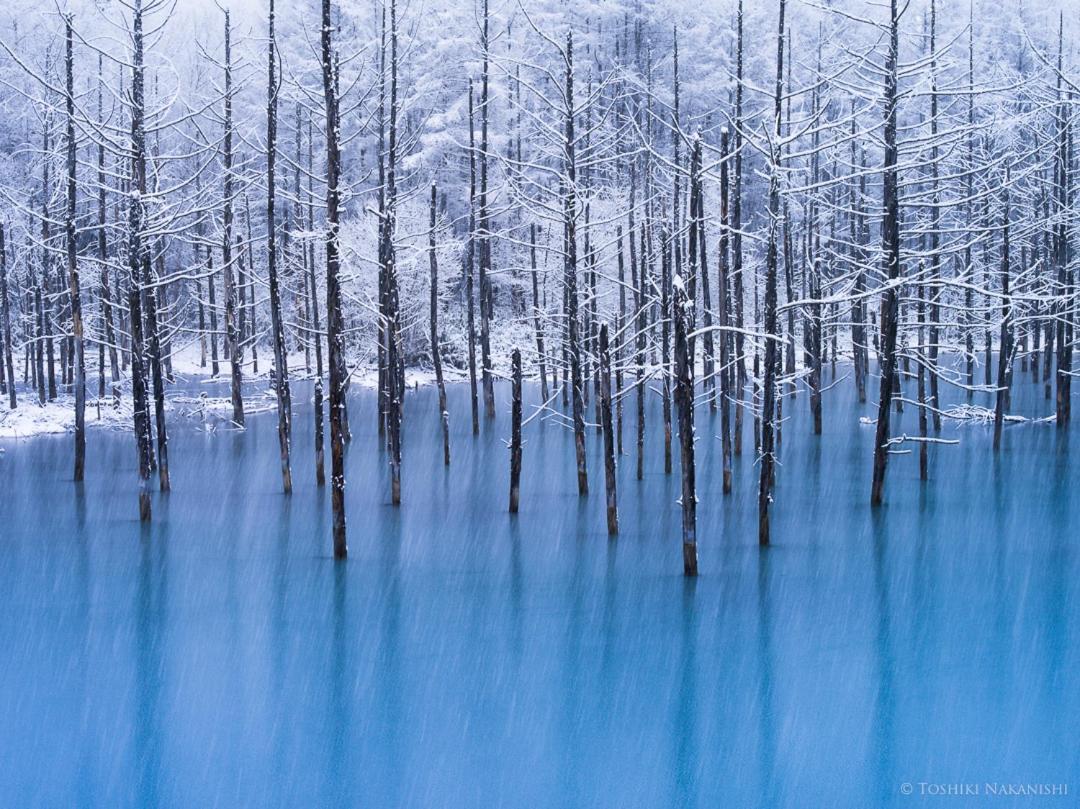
(735, 206)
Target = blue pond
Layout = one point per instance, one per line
(464, 658)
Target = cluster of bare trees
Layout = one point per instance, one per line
(720, 232)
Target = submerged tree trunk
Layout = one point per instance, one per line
(5, 321)
(684, 403)
(537, 326)
(231, 332)
(281, 357)
(436, 358)
(137, 255)
(515, 432)
(570, 273)
(1005, 342)
(771, 359)
(72, 262)
(334, 319)
(470, 272)
(484, 222)
(609, 432)
(890, 232)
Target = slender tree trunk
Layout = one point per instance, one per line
(609, 433)
(281, 356)
(684, 402)
(334, 319)
(515, 432)
(436, 358)
(537, 314)
(1005, 342)
(890, 314)
(723, 299)
(5, 314)
(570, 272)
(137, 256)
(771, 359)
(470, 271)
(72, 260)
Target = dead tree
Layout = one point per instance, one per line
(683, 312)
(723, 297)
(138, 255)
(231, 333)
(470, 270)
(890, 231)
(515, 432)
(335, 326)
(537, 327)
(484, 223)
(277, 325)
(609, 433)
(105, 294)
(1005, 340)
(570, 271)
(436, 358)
(771, 358)
(5, 315)
(72, 259)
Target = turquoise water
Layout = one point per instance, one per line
(464, 658)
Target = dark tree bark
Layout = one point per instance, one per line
(470, 271)
(394, 359)
(639, 358)
(334, 319)
(436, 358)
(537, 324)
(665, 342)
(515, 432)
(484, 222)
(105, 294)
(723, 297)
(609, 433)
(72, 259)
(137, 256)
(277, 325)
(1005, 341)
(890, 231)
(736, 239)
(5, 321)
(684, 402)
(231, 332)
(570, 272)
(771, 358)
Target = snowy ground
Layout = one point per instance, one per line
(184, 398)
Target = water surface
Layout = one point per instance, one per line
(464, 658)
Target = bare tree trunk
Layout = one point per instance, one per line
(771, 359)
(570, 273)
(281, 357)
(334, 319)
(684, 402)
(72, 261)
(890, 313)
(515, 432)
(103, 255)
(137, 256)
(5, 314)
(231, 334)
(609, 433)
(470, 270)
(723, 299)
(537, 325)
(1005, 342)
(486, 296)
(436, 358)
